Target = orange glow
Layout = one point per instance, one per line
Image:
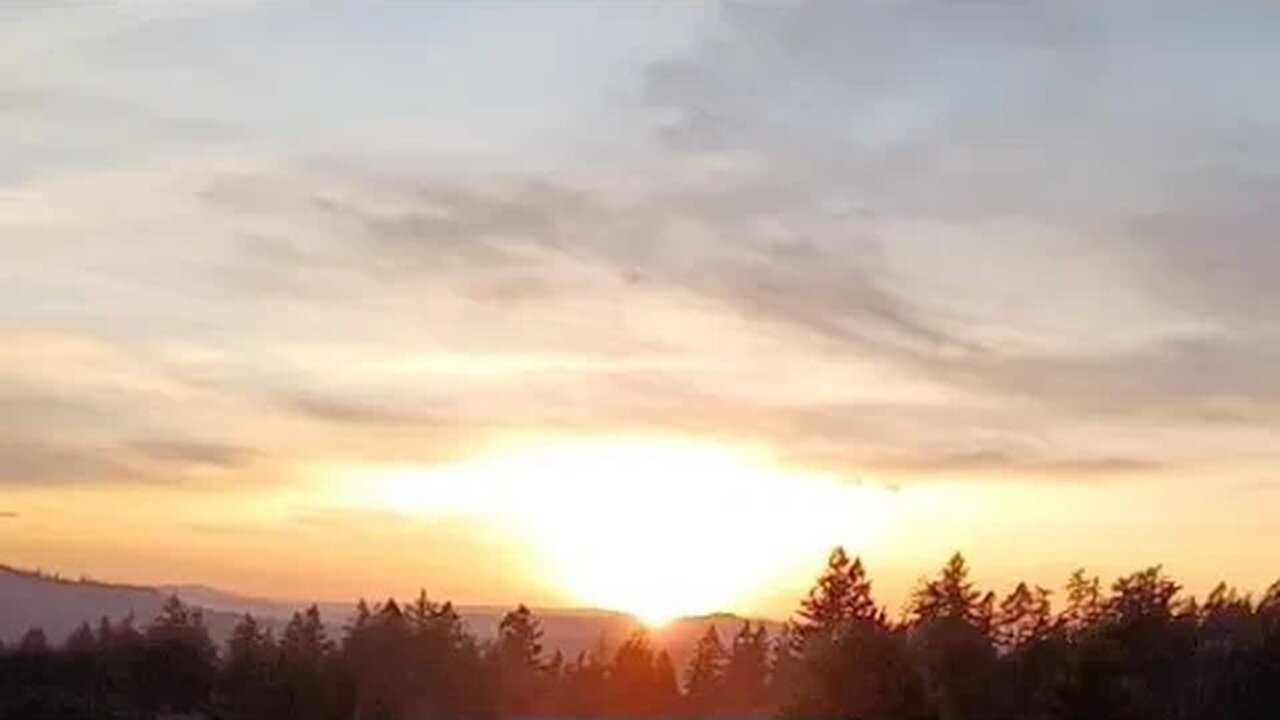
(653, 526)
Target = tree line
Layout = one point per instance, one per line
(1139, 649)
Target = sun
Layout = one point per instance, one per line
(656, 527)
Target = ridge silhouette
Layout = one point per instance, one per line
(1138, 649)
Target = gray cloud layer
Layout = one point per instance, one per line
(924, 238)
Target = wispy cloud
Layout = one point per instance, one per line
(944, 227)
(194, 453)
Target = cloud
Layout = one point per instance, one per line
(1022, 464)
(44, 463)
(948, 238)
(1178, 377)
(182, 452)
(952, 119)
(9, 515)
(395, 342)
(359, 411)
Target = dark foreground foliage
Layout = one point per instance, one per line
(1138, 650)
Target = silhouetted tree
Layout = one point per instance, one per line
(122, 666)
(1141, 651)
(180, 659)
(81, 641)
(250, 684)
(1034, 652)
(950, 595)
(746, 671)
(33, 642)
(378, 656)
(951, 643)
(635, 688)
(1154, 639)
(666, 688)
(704, 678)
(1085, 604)
(1024, 616)
(517, 664)
(584, 691)
(841, 595)
(786, 669)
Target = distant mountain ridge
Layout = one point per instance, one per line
(58, 605)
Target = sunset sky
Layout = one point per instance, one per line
(638, 305)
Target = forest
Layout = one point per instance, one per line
(1136, 649)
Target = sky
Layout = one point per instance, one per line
(637, 305)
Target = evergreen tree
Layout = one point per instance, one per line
(1034, 658)
(666, 688)
(704, 679)
(786, 672)
(1142, 596)
(746, 670)
(517, 663)
(520, 638)
(180, 659)
(951, 643)
(950, 595)
(104, 634)
(379, 658)
(867, 674)
(585, 689)
(1152, 638)
(250, 644)
(1085, 604)
(1269, 604)
(305, 641)
(121, 676)
(841, 595)
(81, 641)
(250, 682)
(1145, 651)
(421, 613)
(633, 682)
(34, 642)
(1024, 616)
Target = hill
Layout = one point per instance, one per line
(58, 605)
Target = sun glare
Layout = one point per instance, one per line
(658, 528)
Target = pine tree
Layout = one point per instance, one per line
(248, 642)
(746, 670)
(585, 691)
(786, 673)
(34, 642)
(378, 654)
(1144, 594)
(1023, 616)
(1084, 604)
(360, 618)
(950, 595)
(250, 673)
(105, 636)
(632, 680)
(841, 595)
(666, 688)
(704, 679)
(520, 637)
(81, 641)
(180, 657)
(447, 627)
(1269, 604)
(304, 641)
(1145, 619)
(517, 663)
(421, 613)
